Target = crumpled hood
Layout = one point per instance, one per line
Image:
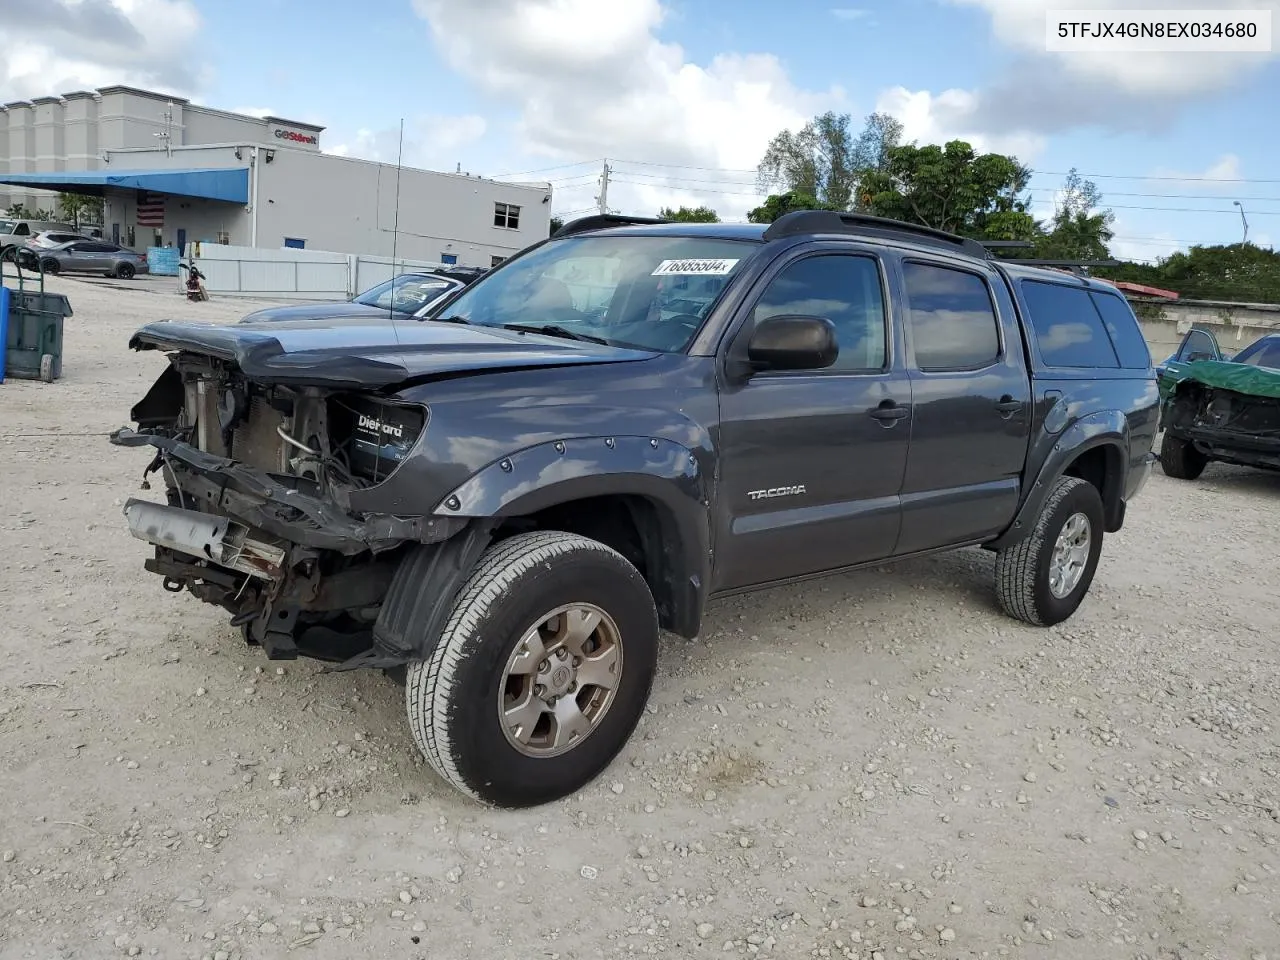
(371, 353)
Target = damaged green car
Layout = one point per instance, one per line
(1214, 409)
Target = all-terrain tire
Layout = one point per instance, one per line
(452, 698)
(1023, 568)
(1180, 459)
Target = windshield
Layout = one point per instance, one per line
(1263, 353)
(6, 226)
(404, 294)
(650, 292)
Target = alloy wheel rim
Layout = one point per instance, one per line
(560, 680)
(1070, 555)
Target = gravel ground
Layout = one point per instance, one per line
(875, 766)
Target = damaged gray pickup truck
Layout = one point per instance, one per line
(509, 500)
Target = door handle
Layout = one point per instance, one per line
(889, 412)
(1008, 406)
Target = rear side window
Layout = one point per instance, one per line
(1122, 325)
(953, 324)
(1068, 329)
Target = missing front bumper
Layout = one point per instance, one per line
(217, 539)
(264, 502)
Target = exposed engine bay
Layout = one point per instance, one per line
(1227, 425)
(257, 516)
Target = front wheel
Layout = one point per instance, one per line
(1044, 577)
(1180, 459)
(541, 673)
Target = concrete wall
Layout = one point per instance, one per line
(1236, 325)
(349, 206)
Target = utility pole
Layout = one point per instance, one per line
(167, 136)
(1245, 238)
(603, 199)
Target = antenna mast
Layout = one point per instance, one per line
(395, 229)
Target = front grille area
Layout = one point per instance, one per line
(255, 442)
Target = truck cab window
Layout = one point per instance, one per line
(953, 324)
(846, 290)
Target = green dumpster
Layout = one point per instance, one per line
(33, 341)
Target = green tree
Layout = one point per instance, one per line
(824, 160)
(779, 203)
(21, 212)
(556, 224)
(689, 214)
(951, 188)
(77, 209)
(1078, 230)
(1240, 272)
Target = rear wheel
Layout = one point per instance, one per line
(125, 271)
(1180, 459)
(1044, 577)
(50, 267)
(541, 673)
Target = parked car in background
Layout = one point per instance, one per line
(53, 238)
(1218, 409)
(16, 232)
(85, 256)
(1198, 344)
(408, 295)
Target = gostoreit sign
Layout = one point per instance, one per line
(294, 137)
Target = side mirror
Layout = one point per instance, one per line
(793, 342)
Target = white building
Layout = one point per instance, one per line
(172, 172)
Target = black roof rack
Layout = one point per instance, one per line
(1007, 244)
(833, 221)
(1079, 267)
(601, 221)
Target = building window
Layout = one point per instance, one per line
(506, 215)
(495, 260)
(295, 243)
(448, 258)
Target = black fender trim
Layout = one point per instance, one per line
(667, 474)
(419, 599)
(1102, 429)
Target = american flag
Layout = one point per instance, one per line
(150, 209)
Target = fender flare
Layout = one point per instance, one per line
(1106, 428)
(668, 475)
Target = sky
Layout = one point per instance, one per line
(682, 96)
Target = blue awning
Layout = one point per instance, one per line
(229, 184)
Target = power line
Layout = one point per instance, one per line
(525, 173)
(1035, 173)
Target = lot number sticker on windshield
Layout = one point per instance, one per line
(694, 268)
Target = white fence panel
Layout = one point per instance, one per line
(283, 274)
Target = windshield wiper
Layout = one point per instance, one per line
(447, 319)
(555, 330)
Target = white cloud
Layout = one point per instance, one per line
(57, 46)
(1222, 174)
(1021, 24)
(429, 141)
(592, 79)
(952, 115)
